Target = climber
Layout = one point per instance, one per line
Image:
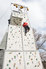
(8, 22)
(25, 25)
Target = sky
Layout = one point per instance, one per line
(37, 14)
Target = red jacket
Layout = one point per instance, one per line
(25, 24)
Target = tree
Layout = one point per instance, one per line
(40, 40)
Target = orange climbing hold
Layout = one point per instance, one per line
(21, 7)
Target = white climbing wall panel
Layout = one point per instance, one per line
(14, 41)
(13, 60)
(21, 52)
(28, 40)
(32, 60)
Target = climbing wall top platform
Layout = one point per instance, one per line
(17, 14)
(20, 6)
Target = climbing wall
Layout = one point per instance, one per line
(21, 52)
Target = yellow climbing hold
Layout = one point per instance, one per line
(27, 9)
(21, 7)
(15, 5)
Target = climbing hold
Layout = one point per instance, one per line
(10, 53)
(16, 6)
(16, 68)
(35, 65)
(20, 56)
(17, 24)
(29, 34)
(28, 42)
(7, 64)
(32, 43)
(21, 7)
(27, 63)
(13, 36)
(29, 56)
(30, 52)
(19, 59)
(9, 68)
(36, 58)
(19, 31)
(10, 27)
(19, 53)
(27, 9)
(11, 44)
(31, 59)
(14, 57)
(14, 64)
(9, 60)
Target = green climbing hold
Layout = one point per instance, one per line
(36, 58)
(9, 68)
(9, 60)
(27, 63)
(14, 57)
(7, 64)
(29, 56)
